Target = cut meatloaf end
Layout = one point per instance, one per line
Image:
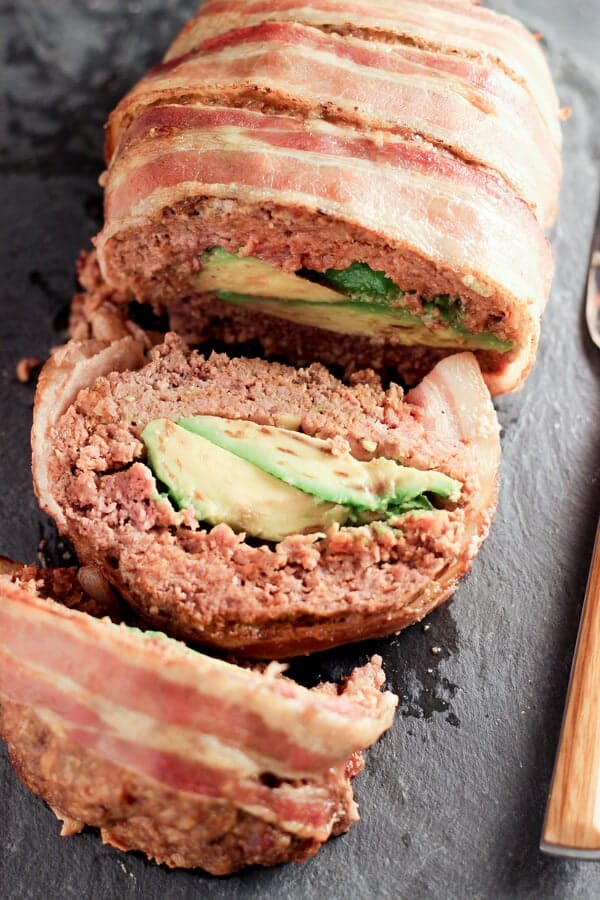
(370, 561)
(386, 240)
(193, 761)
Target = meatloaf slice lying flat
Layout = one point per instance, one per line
(360, 563)
(191, 760)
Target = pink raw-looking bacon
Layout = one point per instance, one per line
(190, 722)
(477, 111)
(454, 28)
(418, 196)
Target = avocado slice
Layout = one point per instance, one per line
(393, 323)
(220, 486)
(312, 465)
(224, 271)
(356, 300)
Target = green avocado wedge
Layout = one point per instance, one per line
(224, 271)
(393, 323)
(316, 467)
(223, 487)
(355, 301)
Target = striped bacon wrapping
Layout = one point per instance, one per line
(451, 26)
(477, 111)
(183, 720)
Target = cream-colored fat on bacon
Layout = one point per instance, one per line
(451, 26)
(184, 720)
(476, 110)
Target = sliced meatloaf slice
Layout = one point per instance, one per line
(191, 760)
(367, 566)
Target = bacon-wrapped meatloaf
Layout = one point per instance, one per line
(262, 508)
(194, 761)
(364, 184)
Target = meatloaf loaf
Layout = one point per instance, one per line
(262, 508)
(191, 760)
(319, 177)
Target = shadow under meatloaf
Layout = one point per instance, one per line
(82, 774)
(211, 585)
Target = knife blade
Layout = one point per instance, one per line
(572, 822)
(592, 302)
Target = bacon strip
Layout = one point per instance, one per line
(191, 722)
(452, 27)
(478, 112)
(417, 196)
(455, 404)
(305, 810)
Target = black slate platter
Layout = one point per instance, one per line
(453, 797)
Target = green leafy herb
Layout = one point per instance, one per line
(360, 282)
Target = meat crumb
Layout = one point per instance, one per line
(26, 367)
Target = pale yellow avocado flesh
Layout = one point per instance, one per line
(248, 275)
(319, 468)
(221, 487)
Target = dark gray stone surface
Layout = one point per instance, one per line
(453, 797)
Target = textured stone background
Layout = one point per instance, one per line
(453, 797)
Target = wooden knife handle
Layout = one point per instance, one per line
(572, 824)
